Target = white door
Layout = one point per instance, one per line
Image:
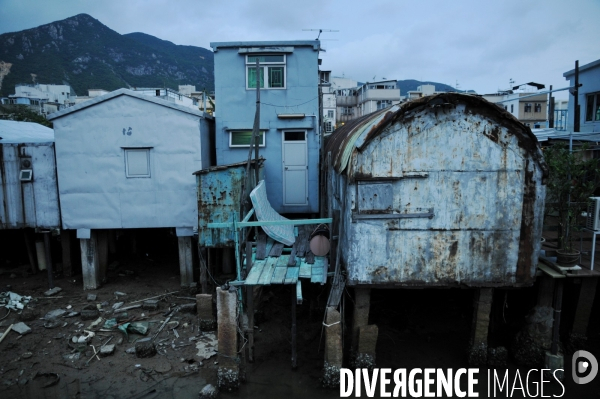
(295, 168)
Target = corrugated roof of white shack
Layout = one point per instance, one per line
(15, 132)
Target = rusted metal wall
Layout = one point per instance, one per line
(439, 192)
(219, 197)
(28, 203)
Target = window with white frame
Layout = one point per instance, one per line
(328, 127)
(271, 71)
(243, 138)
(330, 113)
(592, 107)
(137, 162)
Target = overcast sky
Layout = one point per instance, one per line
(480, 44)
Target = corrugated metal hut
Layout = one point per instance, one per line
(28, 185)
(446, 190)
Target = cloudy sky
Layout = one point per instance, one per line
(479, 44)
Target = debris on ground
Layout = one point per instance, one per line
(145, 348)
(21, 328)
(209, 392)
(53, 291)
(13, 301)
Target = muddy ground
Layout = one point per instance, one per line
(417, 328)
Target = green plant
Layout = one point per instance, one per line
(572, 179)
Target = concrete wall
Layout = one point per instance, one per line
(95, 192)
(236, 110)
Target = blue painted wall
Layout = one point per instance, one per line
(589, 78)
(236, 107)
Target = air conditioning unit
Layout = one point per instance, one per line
(593, 214)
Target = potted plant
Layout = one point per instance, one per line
(573, 176)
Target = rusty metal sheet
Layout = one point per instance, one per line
(476, 169)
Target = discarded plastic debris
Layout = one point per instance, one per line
(92, 297)
(53, 314)
(209, 392)
(121, 316)
(118, 293)
(53, 291)
(72, 357)
(138, 327)
(207, 346)
(110, 323)
(95, 324)
(52, 323)
(13, 301)
(21, 328)
(117, 305)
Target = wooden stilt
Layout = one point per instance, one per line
(250, 304)
(30, 251)
(89, 262)
(294, 355)
(102, 254)
(48, 259)
(65, 242)
(203, 270)
(185, 261)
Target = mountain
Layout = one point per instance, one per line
(84, 53)
(411, 84)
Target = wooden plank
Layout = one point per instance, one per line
(549, 271)
(261, 244)
(291, 277)
(279, 275)
(305, 270)
(317, 273)
(337, 289)
(276, 250)
(267, 274)
(270, 243)
(302, 241)
(255, 273)
(299, 292)
(292, 258)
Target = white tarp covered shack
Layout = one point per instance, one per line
(28, 188)
(126, 160)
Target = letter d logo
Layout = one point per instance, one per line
(588, 364)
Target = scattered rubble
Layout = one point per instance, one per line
(53, 291)
(21, 328)
(145, 348)
(13, 301)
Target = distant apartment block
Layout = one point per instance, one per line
(527, 106)
(328, 102)
(42, 98)
(354, 101)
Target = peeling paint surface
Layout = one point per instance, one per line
(456, 197)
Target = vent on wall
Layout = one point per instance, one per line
(593, 214)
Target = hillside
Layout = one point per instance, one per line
(86, 54)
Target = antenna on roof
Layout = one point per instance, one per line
(321, 31)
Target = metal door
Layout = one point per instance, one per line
(295, 168)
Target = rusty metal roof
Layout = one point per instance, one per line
(356, 134)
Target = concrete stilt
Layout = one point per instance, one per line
(206, 318)
(227, 319)
(65, 243)
(479, 331)
(185, 261)
(362, 303)
(89, 259)
(367, 344)
(333, 348)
